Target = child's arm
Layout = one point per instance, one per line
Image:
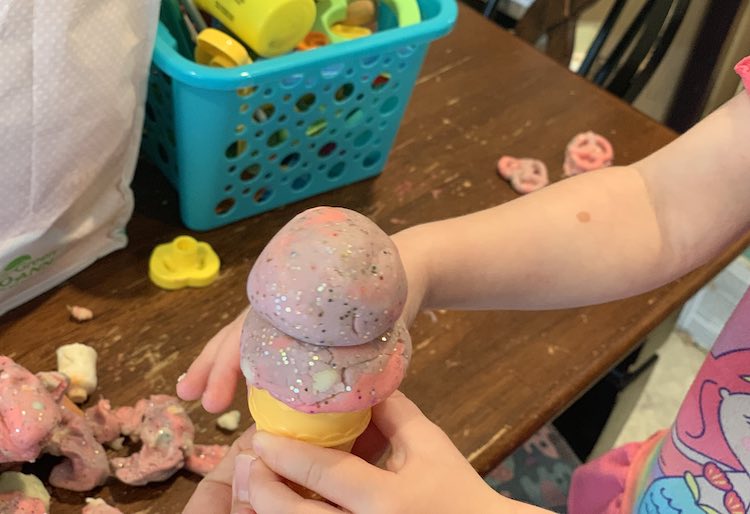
(601, 236)
(597, 237)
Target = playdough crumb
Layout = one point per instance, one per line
(229, 421)
(99, 506)
(80, 314)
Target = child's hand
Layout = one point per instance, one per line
(424, 472)
(214, 374)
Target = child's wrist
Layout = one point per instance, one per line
(414, 252)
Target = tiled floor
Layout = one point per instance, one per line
(679, 361)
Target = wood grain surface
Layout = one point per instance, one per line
(488, 379)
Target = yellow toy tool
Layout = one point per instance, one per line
(215, 48)
(184, 262)
(350, 31)
(269, 27)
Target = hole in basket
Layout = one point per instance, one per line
(236, 149)
(282, 118)
(344, 92)
(369, 61)
(240, 128)
(287, 97)
(371, 159)
(262, 195)
(244, 92)
(246, 191)
(250, 172)
(259, 134)
(406, 51)
(336, 170)
(244, 108)
(232, 168)
(268, 175)
(322, 167)
(290, 161)
(150, 112)
(327, 87)
(354, 117)
(389, 105)
(402, 66)
(349, 72)
(300, 182)
(304, 102)
(327, 149)
(254, 153)
(264, 113)
(387, 61)
(163, 154)
(272, 157)
(224, 206)
(278, 137)
(268, 92)
(228, 188)
(316, 128)
(332, 71)
(363, 138)
(360, 96)
(381, 81)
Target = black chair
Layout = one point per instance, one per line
(635, 58)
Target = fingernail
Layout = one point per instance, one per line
(241, 481)
(181, 377)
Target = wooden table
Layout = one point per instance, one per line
(489, 379)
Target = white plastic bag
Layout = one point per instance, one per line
(72, 90)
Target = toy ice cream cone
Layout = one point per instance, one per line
(331, 429)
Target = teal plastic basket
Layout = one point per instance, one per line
(240, 141)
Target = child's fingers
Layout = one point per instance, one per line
(269, 495)
(222, 381)
(404, 425)
(192, 384)
(338, 476)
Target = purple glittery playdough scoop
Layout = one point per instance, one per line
(329, 277)
(313, 378)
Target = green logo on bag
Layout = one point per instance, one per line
(23, 267)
